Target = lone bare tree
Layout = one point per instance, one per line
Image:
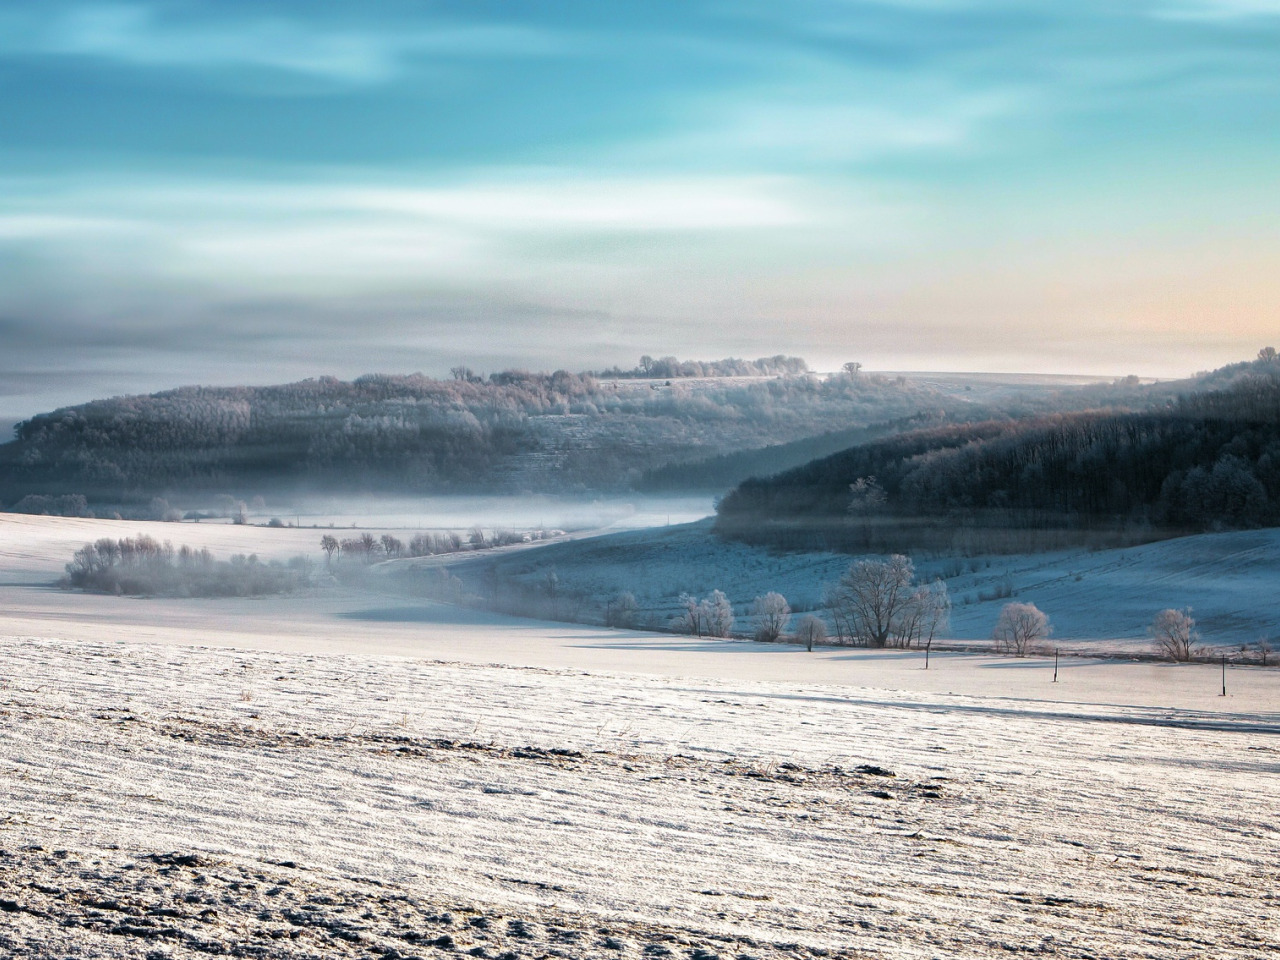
(811, 630)
(771, 613)
(926, 613)
(1021, 625)
(871, 597)
(689, 619)
(330, 546)
(1174, 633)
(620, 611)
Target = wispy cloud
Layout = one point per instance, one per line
(146, 36)
(1217, 10)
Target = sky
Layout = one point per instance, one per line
(256, 192)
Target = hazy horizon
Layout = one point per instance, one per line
(261, 192)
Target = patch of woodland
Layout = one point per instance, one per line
(1208, 460)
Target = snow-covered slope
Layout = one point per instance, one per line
(1106, 595)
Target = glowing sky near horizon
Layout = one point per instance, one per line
(262, 191)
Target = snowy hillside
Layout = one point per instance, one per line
(1090, 596)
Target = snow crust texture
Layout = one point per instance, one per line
(162, 801)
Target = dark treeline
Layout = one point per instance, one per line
(512, 431)
(671, 368)
(1209, 460)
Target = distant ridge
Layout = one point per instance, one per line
(512, 431)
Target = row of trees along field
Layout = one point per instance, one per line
(418, 434)
(1210, 460)
(878, 603)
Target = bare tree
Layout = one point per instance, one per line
(870, 598)
(1021, 625)
(621, 610)
(689, 619)
(770, 613)
(924, 615)
(392, 546)
(852, 368)
(330, 546)
(1174, 633)
(811, 630)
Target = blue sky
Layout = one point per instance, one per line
(252, 192)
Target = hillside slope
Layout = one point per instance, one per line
(1209, 460)
(1098, 600)
(513, 432)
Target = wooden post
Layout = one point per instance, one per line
(1055, 664)
(1224, 675)
(926, 653)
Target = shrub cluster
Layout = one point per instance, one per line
(143, 566)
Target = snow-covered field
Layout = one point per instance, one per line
(1228, 580)
(341, 774)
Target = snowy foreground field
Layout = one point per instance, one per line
(345, 775)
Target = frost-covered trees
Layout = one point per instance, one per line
(718, 614)
(1174, 633)
(1019, 628)
(144, 566)
(811, 630)
(868, 601)
(710, 617)
(877, 603)
(770, 614)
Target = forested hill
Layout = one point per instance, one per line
(511, 431)
(1209, 459)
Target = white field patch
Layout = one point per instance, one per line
(698, 798)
